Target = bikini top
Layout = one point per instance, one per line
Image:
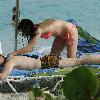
(43, 35)
(46, 35)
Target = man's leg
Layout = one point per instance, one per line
(87, 59)
(91, 59)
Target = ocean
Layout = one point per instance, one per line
(86, 13)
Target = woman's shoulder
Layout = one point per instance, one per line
(47, 20)
(46, 23)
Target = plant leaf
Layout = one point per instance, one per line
(81, 84)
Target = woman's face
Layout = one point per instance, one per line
(1, 59)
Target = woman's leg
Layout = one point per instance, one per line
(58, 46)
(72, 43)
(20, 62)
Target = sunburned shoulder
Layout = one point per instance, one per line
(63, 23)
(47, 22)
(60, 23)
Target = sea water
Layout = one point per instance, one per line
(85, 12)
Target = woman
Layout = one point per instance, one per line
(65, 33)
(23, 62)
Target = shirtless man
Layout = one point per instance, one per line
(23, 62)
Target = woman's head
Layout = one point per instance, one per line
(27, 28)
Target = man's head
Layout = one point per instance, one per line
(27, 28)
(2, 59)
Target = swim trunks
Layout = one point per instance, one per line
(50, 61)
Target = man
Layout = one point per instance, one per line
(48, 61)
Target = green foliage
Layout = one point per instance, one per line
(47, 96)
(88, 37)
(81, 84)
(37, 92)
(31, 95)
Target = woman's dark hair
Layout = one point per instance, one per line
(25, 24)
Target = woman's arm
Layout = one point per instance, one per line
(29, 47)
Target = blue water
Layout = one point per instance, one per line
(85, 12)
